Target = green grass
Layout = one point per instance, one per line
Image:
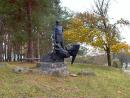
(108, 83)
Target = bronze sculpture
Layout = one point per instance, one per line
(60, 51)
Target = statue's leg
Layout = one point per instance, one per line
(62, 44)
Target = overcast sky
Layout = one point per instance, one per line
(118, 9)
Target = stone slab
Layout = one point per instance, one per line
(56, 69)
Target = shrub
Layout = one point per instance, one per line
(116, 63)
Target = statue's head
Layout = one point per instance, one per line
(58, 22)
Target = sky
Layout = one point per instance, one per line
(118, 9)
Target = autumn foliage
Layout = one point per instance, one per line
(76, 32)
(95, 30)
(119, 47)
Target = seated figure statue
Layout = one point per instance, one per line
(59, 50)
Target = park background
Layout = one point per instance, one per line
(101, 27)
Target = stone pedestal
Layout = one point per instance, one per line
(56, 69)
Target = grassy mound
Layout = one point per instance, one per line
(108, 83)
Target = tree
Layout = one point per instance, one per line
(96, 29)
(26, 22)
(109, 32)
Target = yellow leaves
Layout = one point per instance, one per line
(75, 22)
(76, 32)
(89, 28)
(70, 36)
(120, 47)
(97, 43)
(88, 17)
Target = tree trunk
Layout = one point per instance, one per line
(6, 52)
(29, 30)
(38, 46)
(1, 52)
(20, 53)
(9, 48)
(108, 56)
(9, 52)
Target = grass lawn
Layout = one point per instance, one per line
(108, 83)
